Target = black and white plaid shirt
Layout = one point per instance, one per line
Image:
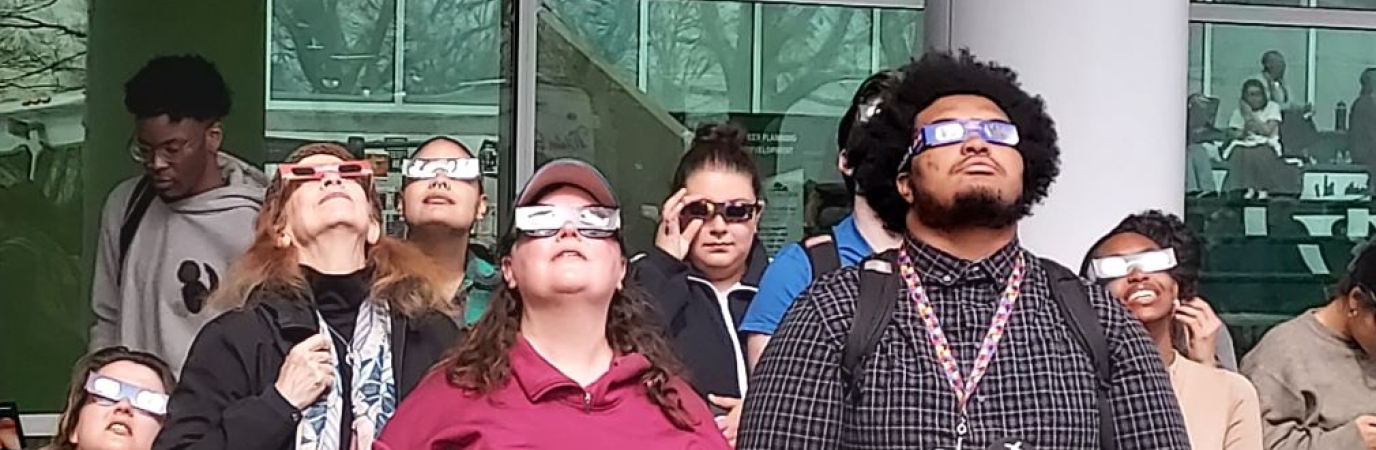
(1040, 387)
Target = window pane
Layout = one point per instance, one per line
(609, 27)
(342, 50)
(450, 84)
(452, 52)
(1340, 58)
(44, 316)
(1196, 64)
(784, 72)
(1295, 196)
(1236, 56)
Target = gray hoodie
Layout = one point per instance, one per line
(179, 254)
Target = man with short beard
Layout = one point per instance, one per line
(975, 349)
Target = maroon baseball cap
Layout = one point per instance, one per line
(571, 172)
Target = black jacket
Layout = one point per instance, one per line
(691, 316)
(226, 399)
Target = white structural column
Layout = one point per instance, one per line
(1113, 74)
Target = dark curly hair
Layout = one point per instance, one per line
(184, 86)
(889, 134)
(1166, 231)
(716, 145)
(482, 363)
(873, 87)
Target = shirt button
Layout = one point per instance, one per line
(946, 278)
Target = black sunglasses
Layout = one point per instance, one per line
(733, 212)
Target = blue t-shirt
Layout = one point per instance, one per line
(790, 273)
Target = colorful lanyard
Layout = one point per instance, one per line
(963, 387)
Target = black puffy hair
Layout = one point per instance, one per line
(872, 87)
(183, 86)
(1166, 231)
(889, 134)
(717, 145)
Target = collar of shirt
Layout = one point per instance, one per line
(938, 267)
(850, 244)
(479, 272)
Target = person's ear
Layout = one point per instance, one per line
(374, 232)
(1355, 299)
(620, 271)
(904, 189)
(214, 136)
(842, 165)
(284, 238)
(481, 213)
(506, 273)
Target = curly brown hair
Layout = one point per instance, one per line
(402, 275)
(482, 363)
(76, 390)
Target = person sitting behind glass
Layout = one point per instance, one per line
(1254, 154)
(117, 400)
(1314, 372)
(1149, 262)
(568, 356)
(330, 324)
(441, 199)
(1201, 145)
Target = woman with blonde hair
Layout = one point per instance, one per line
(117, 399)
(331, 323)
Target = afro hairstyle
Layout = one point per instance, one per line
(889, 134)
(180, 87)
(1166, 231)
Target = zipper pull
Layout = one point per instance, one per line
(587, 401)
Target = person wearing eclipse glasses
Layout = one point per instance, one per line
(1150, 261)
(117, 400)
(1314, 372)
(960, 337)
(706, 264)
(330, 324)
(568, 356)
(441, 198)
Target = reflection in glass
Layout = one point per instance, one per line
(1269, 259)
(44, 316)
(621, 83)
(336, 50)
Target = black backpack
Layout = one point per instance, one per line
(875, 307)
(822, 253)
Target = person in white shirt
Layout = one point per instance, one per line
(1254, 155)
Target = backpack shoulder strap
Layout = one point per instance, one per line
(139, 200)
(822, 253)
(874, 309)
(1072, 297)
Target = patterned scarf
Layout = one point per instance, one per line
(374, 386)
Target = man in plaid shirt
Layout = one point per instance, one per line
(977, 349)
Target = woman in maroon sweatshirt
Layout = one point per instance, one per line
(564, 357)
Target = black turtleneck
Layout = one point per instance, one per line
(338, 298)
